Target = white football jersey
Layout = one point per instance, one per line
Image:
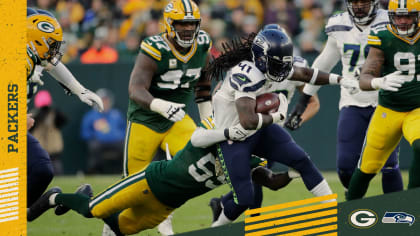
(246, 80)
(352, 45)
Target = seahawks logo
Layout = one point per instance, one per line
(46, 27)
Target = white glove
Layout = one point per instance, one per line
(238, 133)
(91, 99)
(170, 110)
(281, 113)
(351, 85)
(390, 82)
(36, 78)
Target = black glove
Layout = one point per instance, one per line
(294, 119)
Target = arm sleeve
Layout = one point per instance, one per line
(64, 76)
(207, 137)
(326, 61)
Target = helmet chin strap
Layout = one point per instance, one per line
(408, 32)
(183, 43)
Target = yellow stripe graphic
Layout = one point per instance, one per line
(291, 204)
(290, 220)
(296, 226)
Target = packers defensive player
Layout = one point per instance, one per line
(168, 68)
(45, 36)
(140, 201)
(394, 54)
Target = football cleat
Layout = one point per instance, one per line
(84, 189)
(216, 207)
(42, 204)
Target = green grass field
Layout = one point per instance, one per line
(195, 214)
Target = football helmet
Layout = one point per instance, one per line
(182, 11)
(363, 13)
(45, 36)
(409, 8)
(272, 53)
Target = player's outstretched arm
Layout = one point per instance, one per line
(369, 78)
(138, 90)
(60, 73)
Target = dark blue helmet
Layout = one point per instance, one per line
(272, 26)
(32, 11)
(272, 51)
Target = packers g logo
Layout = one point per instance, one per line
(363, 218)
(169, 7)
(45, 26)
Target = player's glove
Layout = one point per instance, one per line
(294, 120)
(91, 99)
(237, 133)
(281, 113)
(36, 78)
(390, 82)
(170, 110)
(351, 85)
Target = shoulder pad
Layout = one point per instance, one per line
(154, 46)
(339, 22)
(203, 38)
(381, 19)
(300, 61)
(245, 77)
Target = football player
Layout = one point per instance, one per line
(288, 88)
(168, 69)
(140, 201)
(348, 41)
(45, 36)
(255, 66)
(393, 68)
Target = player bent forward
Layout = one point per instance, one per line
(141, 201)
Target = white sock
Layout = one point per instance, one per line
(51, 199)
(322, 189)
(222, 220)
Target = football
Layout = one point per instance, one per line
(267, 103)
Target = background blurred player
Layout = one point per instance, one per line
(393, 54)
(347, 41)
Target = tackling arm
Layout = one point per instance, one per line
(60, 73)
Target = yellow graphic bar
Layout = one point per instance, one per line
(13, 118)
(291, 212)
(291, 204)
(297, 226)
(291, 220)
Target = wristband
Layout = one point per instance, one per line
(260, 120)
(314, 76)
(226, 133)
(333, 78)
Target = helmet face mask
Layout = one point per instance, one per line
(272, 52)
(179, 17)
(362, 11)
(404, 16)
(45, 37)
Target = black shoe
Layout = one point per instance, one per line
(216, 207)
(84, 189)
(42, 204)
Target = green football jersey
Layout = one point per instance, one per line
(401, 54)
(190, 173)
(175, 78)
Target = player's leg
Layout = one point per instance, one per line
(40, 170)
(277, 145)
(140, 146)
(411, 131)
(178, 135)
(391, 175)
(351, 131)
(383, 135)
